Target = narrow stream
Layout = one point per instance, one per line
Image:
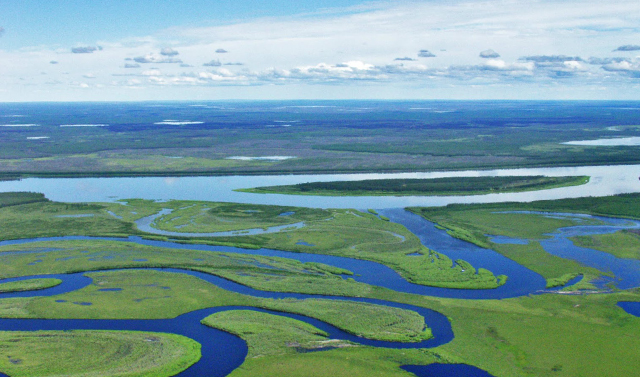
(223, 352)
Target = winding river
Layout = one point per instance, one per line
(223, 352)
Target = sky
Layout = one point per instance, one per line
(116, 50)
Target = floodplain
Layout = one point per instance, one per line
(170, 276)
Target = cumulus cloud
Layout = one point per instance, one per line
(501, 65)
(221, 51)
(169, 52)
(557, 66)
(628, 48)
(152, 72)
(405, 59)
(53, 62)
(129, 65)
(550, 58)
(152, 58)
(234, 63)
(213, 63)
(489, 54)
(602, 61)
(426, 54)
(89, 76)
(185, 65)
(628, 68)
(84, 50)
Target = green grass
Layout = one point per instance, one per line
(16, 198)
(347, 361)
(474, 222)
(432, 187)
(149, 294)
(206, 217)
(95, 353)
(268, 334)
(52, 219)
(265, 273)
(145, 294)
(361, 319)
(588, 335)
(622, 244)
(336, 232)
(29, 285)
(539, 335)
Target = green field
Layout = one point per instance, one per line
(95, 353)
(622, 244)
(544, 335)
(28, 285)
(336, 232)
(476, 135)
(474, 222)
(426, 187)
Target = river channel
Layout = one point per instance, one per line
(222, 352)
(605, 180)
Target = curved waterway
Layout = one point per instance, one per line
(221, 352)
(605, 180)
(145, 225)
(524, 280)
(558, 243)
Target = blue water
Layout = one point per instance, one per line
(626, 271)
(508, 240)
(446, 370)
(215, 343)
(605, 180)
(521, 281)
(632, 308)
(224, 351)
(524, 280)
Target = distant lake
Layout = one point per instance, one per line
(620, 141)
(605, 180)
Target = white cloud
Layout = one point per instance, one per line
(168, 51)
(152, 58)
(568, 40)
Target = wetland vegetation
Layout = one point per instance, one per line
(550, 334)
(508, 337)
(477, 223)
(95, 353)
(427, 187)
(336, 136)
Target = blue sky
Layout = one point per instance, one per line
(70, 50)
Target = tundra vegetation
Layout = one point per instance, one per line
(477, 222)
(426, 187)
(536, 335)
(339, 137)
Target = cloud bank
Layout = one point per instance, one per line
(541, 44)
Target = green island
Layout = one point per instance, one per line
(427, 187)
(103, 353)
(622, 244)
(29, 285)
(533, 335)
(474, 222)
(346, 233)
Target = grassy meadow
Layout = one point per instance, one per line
(547, 335)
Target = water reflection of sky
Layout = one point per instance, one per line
(606, 180)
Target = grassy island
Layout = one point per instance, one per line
(424, 187)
